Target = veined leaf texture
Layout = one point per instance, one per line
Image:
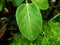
(29, 20)
(42, 4)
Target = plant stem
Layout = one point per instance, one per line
(26, 1)
(31, 43)
(55, 17)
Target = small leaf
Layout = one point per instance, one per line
(6, 9)
(53, 0)
(1, 6)
(42, 4)
(17, 2)
(29, 21)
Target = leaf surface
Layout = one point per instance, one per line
(17, 2)
(1, 6)
(29, 21)
(42, 4)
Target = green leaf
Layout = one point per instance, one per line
(1, 6)
(29, 21)
(2, 2)
(53, 0)
(6, 10)
(17, 2)
(42, 4)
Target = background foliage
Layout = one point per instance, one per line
(49, 20)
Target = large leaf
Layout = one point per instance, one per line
(17, 2)
(42, 4)
(29, 21)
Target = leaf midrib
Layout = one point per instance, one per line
(28, 17)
